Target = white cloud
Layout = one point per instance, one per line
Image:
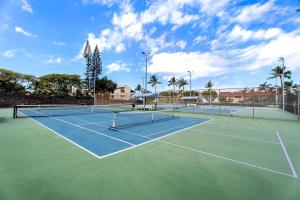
(53, 60)
(199, 39)
(237, 33)
(117, 67)
(212, 6)
(265, 54)
(9, 53)
(19, 29)
(128, 23)
(26, 6)
(181, 44)
(108, 39)
(101, 2)
(177, 64)
(12, 53)
(169, 11)
(59, 43)
(254, 12)
(157, 44)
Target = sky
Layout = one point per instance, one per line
(234, 43)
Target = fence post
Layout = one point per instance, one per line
(298, 103)
(219, 101)
(253, 103)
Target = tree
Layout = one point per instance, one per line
(210, 95)
(172, 82)
(209, 85)
(11, 81)
(58, 84)
(281, 73)
(87, 54)
(96, 67)
(264, 87)
(138, 88)
(244, 91)
(290, 86)
(154, 81)
(181, 83)
(104, 85)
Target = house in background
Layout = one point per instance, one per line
(122, 92)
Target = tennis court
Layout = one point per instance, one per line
(90, 128)
(240, 111)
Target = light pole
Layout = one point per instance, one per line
(283, 100)
(146, 54)
(190, 82)
(146, 65)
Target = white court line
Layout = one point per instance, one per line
(195, 150)
(225, 158)
(94, 123)
(56, 133)
(165, 130)
(150, 139)
(90, 130)
(172, 144)
(287, 156)
(238, 137)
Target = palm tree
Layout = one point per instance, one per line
(279, 72)
(209, 85)
(290, 86)
(138, 88)
(264, 87)
(172, 82)
(244, 91)
(181, 83)
(154, 81)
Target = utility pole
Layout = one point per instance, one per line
(190, 82)
(283, 100)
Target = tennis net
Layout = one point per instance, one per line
(126, 120)
(61, 110)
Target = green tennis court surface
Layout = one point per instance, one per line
(225, 158)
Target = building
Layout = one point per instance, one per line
(122, 92)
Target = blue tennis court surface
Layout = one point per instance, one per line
(91, 131)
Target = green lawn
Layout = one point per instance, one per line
(193, 164)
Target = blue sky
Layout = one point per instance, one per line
(234, 43)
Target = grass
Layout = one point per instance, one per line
(37, 164)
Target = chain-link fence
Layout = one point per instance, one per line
(21, 98)
(264, 103)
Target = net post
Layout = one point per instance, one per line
(114, 121)
(152, 117)
(15, 112)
